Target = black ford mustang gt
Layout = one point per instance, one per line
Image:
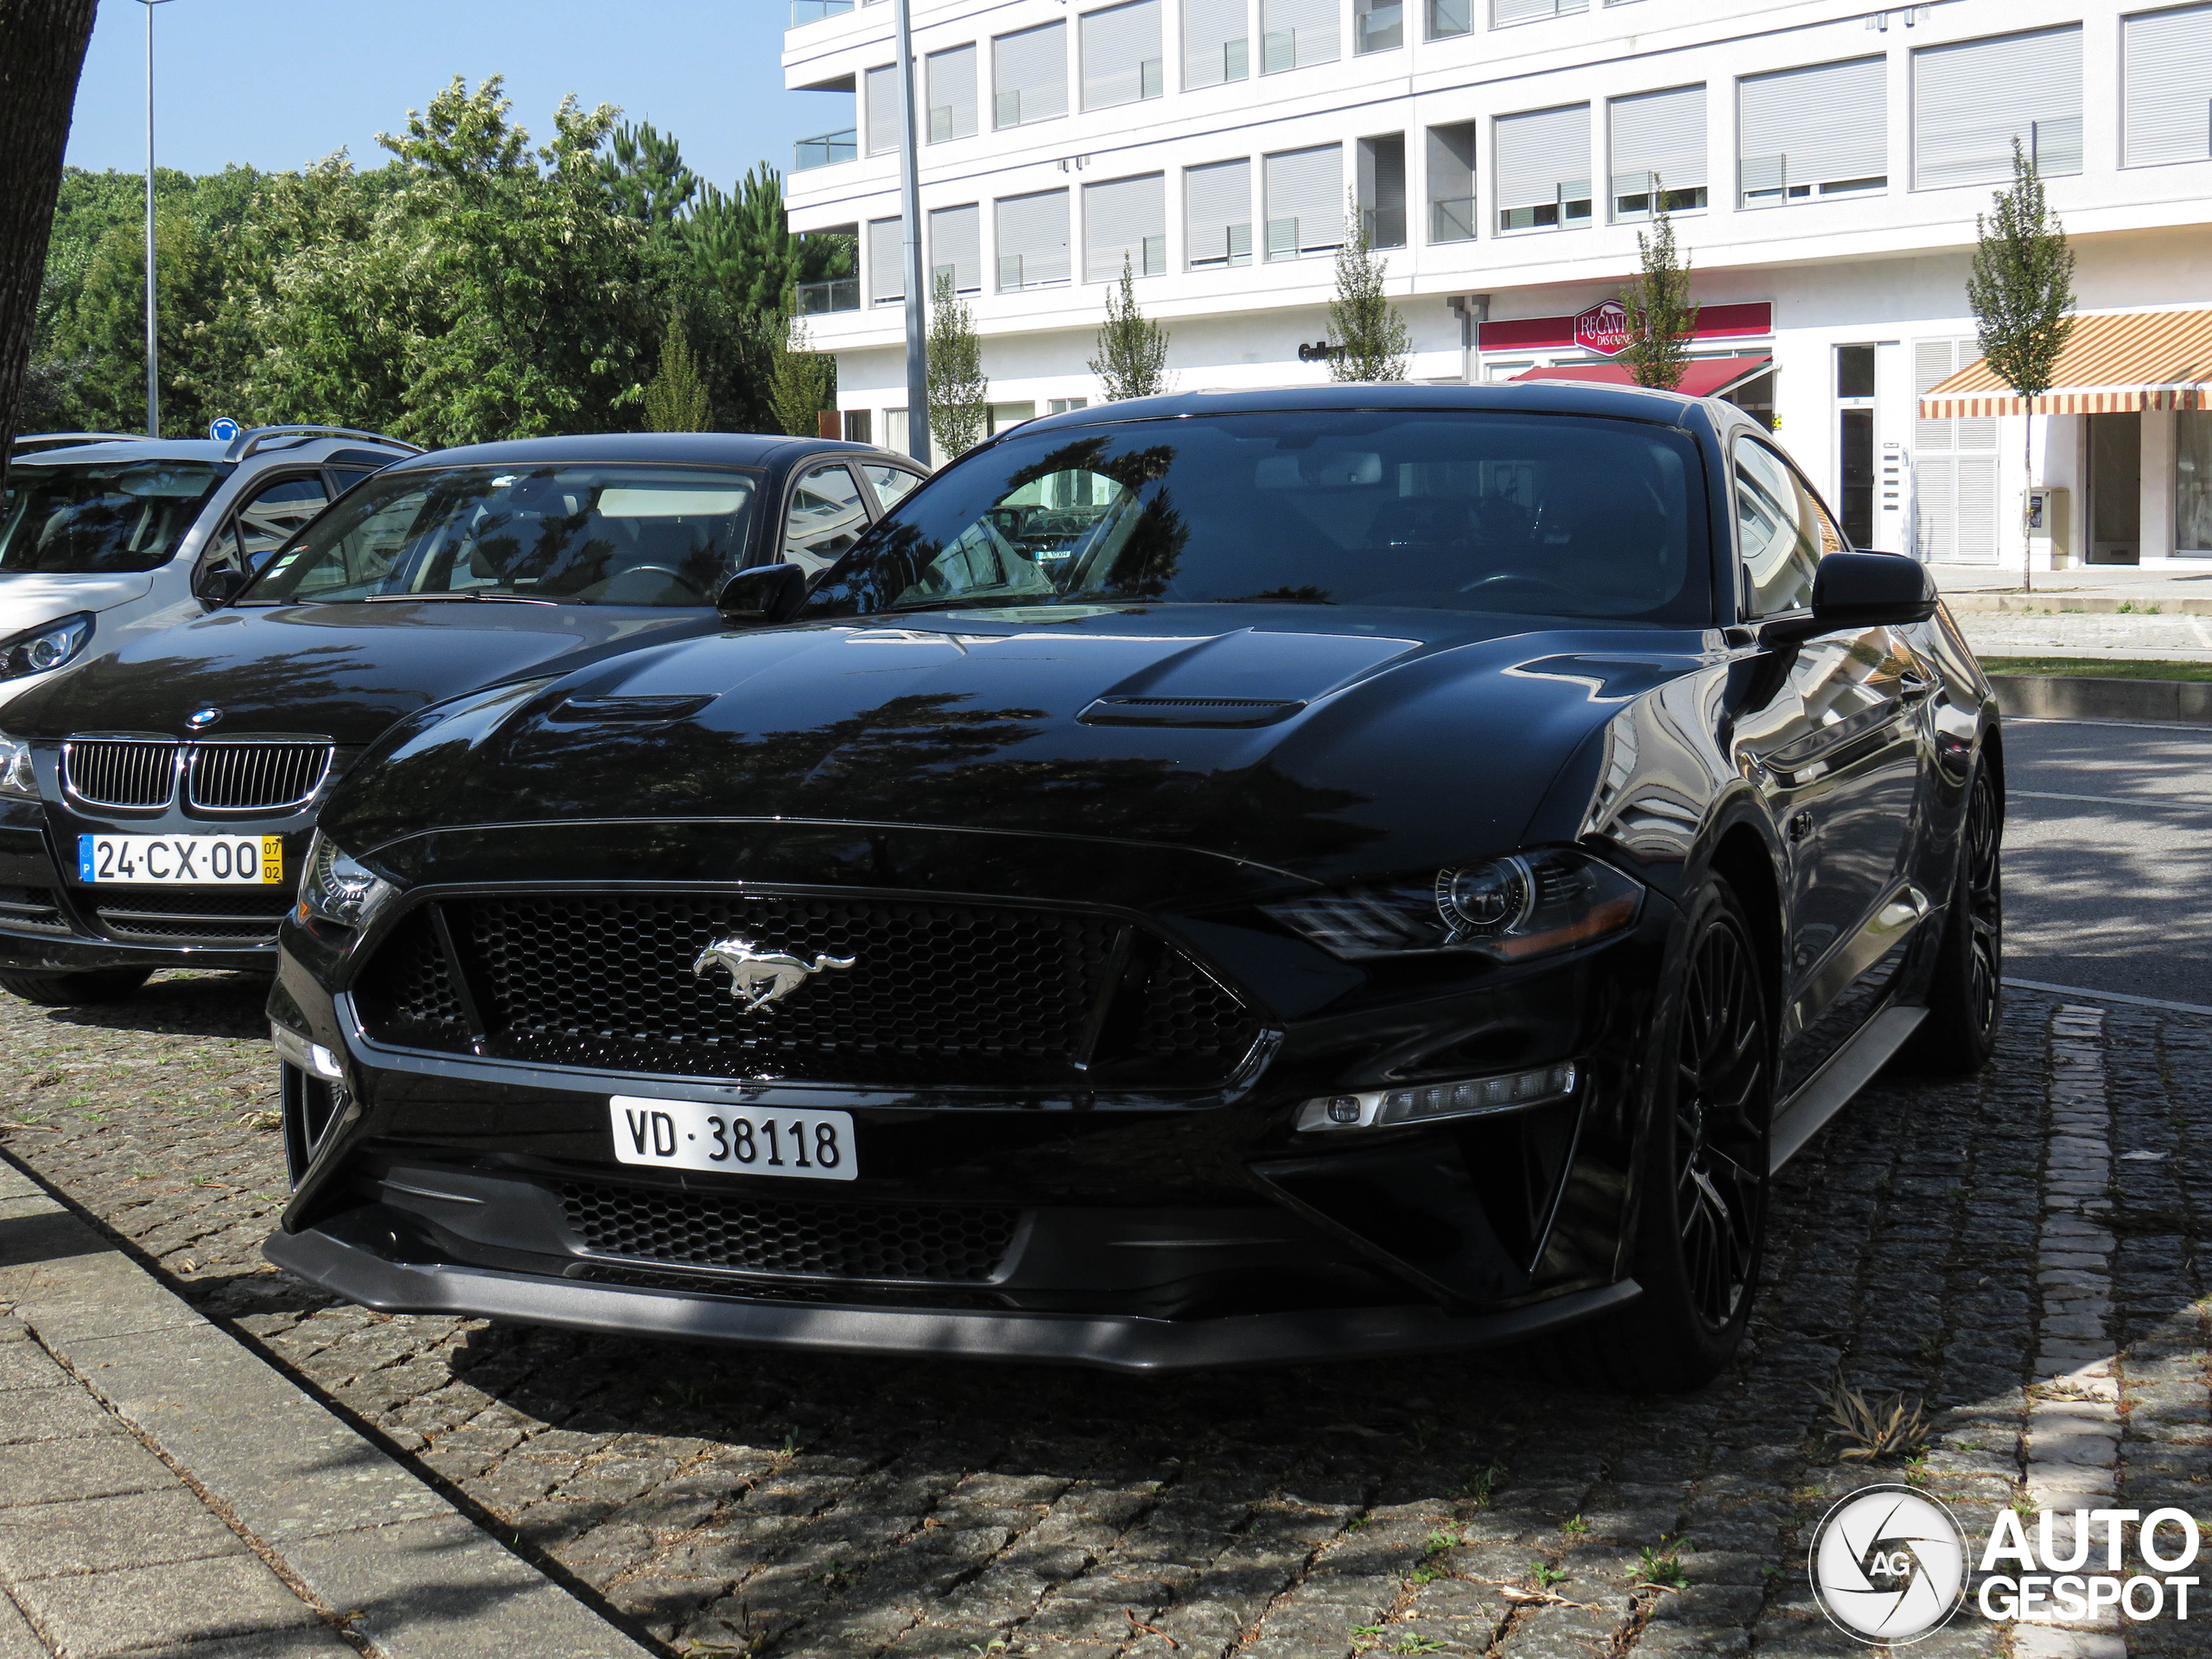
(1220, 879)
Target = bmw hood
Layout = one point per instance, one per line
(1320, 742)
(343, 671)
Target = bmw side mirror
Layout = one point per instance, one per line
(762, 597)
(219, 587)
(1860, 590)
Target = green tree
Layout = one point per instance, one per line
(960, 410)
(645, 177)
(2021, 289)
(1661, 316)
(676, 398)
(801, 382)
(1372, 341)
(1132, 360)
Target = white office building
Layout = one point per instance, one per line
(1823, 165)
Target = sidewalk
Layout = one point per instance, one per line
(164, 1492)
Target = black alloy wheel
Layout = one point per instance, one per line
(1966, 989)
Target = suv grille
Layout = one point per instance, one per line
(113, 771)
(174, 914)
(31, 907)
(240, 777)
(792, 1235)
(940, 992)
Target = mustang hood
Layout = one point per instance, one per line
(344, 671)
(1322, 743)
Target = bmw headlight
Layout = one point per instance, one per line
(338, 889)
(47, 646)
(16, 778)
(1504, 908)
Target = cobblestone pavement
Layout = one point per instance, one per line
(1966, 1243)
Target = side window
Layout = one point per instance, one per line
(827, 516)
(268, 516)
(343, 478)
(1780, 529)
(890, 482)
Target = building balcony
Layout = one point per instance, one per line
(1385, 226)
(1452, 219)
(813, 11)
(838, 294)
(825, 148)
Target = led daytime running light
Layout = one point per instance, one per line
(1428, 1102)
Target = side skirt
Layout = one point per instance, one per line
(1829, 1090)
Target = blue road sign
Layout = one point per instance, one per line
(223, 430)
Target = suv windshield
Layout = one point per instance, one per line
(579, 535)
(1434, 510)
(84, 521)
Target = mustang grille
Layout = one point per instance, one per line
(118, 772)
(170, 914)
(792, 1235)
(238, 777)
(940, 994)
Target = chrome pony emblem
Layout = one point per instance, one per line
(759, 977)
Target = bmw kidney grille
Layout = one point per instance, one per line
(139, 773)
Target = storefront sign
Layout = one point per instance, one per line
(1603, 328)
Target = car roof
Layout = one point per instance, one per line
(110, 451)
(701, 448)
(1527, 396)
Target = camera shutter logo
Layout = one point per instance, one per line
(1889, 1564)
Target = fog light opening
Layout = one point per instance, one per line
(1430, 1103)
(310, 1057)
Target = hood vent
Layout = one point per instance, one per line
(1188, 711)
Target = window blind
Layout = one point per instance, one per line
(1294, 33)
(1125, 219)
(956, 245)
(1217, 42)
(1306, 200)
(951, 77)
(1122, 60)
(1971, 99)
(1032, 240)
(1660, 133)
(1526, 11)
(887, 261)
(1452, 182)
(2166, 87)
(882, 108)
(1218, 214)
(1029, 75)
(1543, 157)
(1798, 130)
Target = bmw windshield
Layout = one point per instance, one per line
(1433, 510)
(111, 520)
(569, 535)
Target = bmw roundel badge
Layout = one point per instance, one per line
(201, 718)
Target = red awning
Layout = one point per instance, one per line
(1706, 377)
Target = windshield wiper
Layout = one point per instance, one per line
(971, 604)
(433, 599)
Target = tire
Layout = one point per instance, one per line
(1966, 990)
(76, 990)
(1700, 1228)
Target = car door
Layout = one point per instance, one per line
(828, 509)
(1835, 742)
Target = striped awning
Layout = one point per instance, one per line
(2111, 365)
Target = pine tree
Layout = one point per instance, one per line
(2021, 289)
(1661, 316)
(959, 396)
(1132, 358)
(800, 382)
(676, 398)
(1372, 341)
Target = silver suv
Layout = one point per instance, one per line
(110, 535)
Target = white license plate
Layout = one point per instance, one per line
(807, 1146)
(182, 861)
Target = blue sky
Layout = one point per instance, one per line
(277, 86)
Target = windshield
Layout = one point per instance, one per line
(1433, 510)
(84, 521)
(576, 535)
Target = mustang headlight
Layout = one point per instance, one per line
(45, 647)
(16, 778)
(1506, 908)
(338, 889)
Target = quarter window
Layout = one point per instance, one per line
(1781, 531)
(826, 517)
(890, 482)
(267, 518)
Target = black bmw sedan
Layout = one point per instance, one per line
(155, 803)
(1221, 879)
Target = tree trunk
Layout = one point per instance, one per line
(2027, 483)
(41, 52)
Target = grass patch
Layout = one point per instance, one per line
(2098, 668)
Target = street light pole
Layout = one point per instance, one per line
(153, 335)
(910, 212)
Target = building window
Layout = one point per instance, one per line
(1377, 25)
(1306, 201)
(1450, 17)
(1804, 134)
(2166, 87)
(1125, 223)
(1033, 241)
(956, 247)
(1854, 397)
(1504, 13)
(1122, 55)
(1063, 405)
(882, 100)
(1029, 75)
(1970, 101)
(1657, 146)
(1217, 42)
(951, 77)
(856, 426)
(1542, 158)
(887, 261)
(1297, 34)
(1452, 182)
(1006, 414)
(1217, 215)
(1381, 190)
(2193, 481)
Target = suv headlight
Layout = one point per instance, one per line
(1504, 908)
(45, 647)
(337, 888)
(16, 778)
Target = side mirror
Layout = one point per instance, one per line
(219, 587)
(1860, 590)
(763, 596)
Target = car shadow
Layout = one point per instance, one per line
(184, 1002)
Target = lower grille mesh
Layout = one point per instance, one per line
(31, 907)
(174, 914)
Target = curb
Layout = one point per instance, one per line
(337, 1517)
(2069, 696)
(2062, 603)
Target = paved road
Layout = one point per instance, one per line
(2108, 857)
